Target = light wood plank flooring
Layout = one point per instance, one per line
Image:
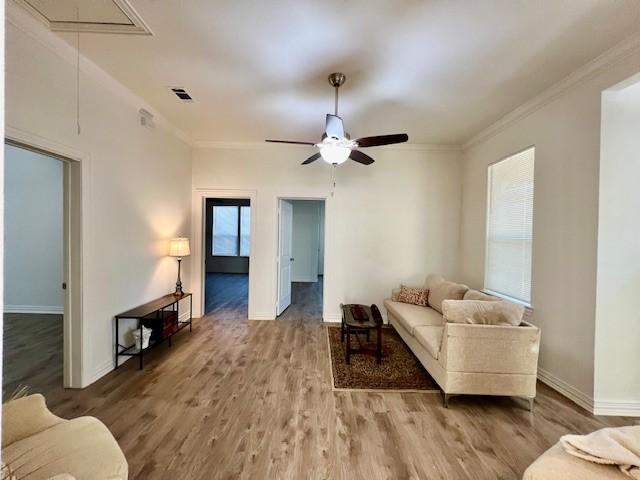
(253, 400)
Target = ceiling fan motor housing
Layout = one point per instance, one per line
(337, 79)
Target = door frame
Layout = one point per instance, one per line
(276, 252)
(76, 165)
(198, 272)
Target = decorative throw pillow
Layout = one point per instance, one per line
(413, 295)
(445, 290)
(482, 312)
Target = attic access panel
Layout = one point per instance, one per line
(97, 16)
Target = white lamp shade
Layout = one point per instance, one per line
(334, 154)
(179, 247)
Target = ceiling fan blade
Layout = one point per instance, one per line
(290, 141)
(312, 158)
(334, 127)
(360, 157)
(382, 140)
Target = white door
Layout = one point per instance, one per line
(284, 255)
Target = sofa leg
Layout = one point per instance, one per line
(446, 400)
(531, 404)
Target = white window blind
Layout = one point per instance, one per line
(510, 226)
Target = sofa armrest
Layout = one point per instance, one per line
(24, 417)
(490, 348)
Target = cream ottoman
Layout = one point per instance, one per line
(556, 464)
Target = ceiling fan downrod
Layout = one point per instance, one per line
(336, 80)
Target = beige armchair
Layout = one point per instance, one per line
(37, 445)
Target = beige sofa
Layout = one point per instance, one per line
(468, 359)
(38, 445)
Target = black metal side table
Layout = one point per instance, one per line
(365, 319)
(155, 311)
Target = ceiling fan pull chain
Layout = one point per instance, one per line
(332, 185)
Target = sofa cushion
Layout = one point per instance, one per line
(482, 312)
(430, 338)
(433, 279)
(477, 295)
(413, 295)
(83, 448)
(445, 290)
(411, 316)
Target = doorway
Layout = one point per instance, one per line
(226, 258)
(300, 259)
(34, 271)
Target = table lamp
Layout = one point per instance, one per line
(179, 247)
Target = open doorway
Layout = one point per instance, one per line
(226, 258)
(34, 271)
(300, 259)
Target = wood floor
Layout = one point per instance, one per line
(226, 291)
(32, 352)
(253, 400)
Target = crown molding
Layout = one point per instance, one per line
(420, 147)
(615, 54)
(27, 24)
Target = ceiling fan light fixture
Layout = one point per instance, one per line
(334, 154)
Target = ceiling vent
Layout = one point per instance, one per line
(97, 16)
(182, 94)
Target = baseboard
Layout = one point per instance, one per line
(618, 408)
(332, 318)
(262, 316)
(184, 316)
(100, 371)
(572, 393)
(42, 309)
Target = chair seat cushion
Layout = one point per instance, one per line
(556, 464)
(83, 448)
(430, 338)
(411, 316)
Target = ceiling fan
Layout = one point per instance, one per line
(336, 146)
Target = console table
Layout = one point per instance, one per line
(163, 317)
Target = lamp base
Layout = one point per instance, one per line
(179, 292)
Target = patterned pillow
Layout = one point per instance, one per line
(413, 295)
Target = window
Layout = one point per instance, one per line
(231, 231)
(245, 229)
(510, 226)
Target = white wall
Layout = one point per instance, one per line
(392, 222)
(565, 129)
(33, 253)
(305, 240)
(617, 301)
(321, 241)
(136, 182)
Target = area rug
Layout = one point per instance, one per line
(400, 370)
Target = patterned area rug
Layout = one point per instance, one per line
(400, 369)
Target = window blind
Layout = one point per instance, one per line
(510, 226)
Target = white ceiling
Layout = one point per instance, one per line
(439, 70)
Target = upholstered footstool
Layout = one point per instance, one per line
(556, 464)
